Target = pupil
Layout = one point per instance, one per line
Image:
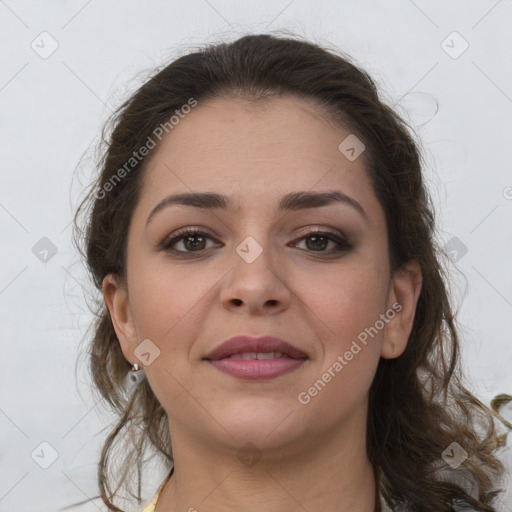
(195, 245)
(316, 238)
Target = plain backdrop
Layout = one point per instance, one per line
(444, 65)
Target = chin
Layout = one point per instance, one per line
(266, 424)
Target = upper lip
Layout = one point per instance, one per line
(242, 343)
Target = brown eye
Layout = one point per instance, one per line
(192, 240)
(318, 240)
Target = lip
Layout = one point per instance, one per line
(256, 368)
(242, 343)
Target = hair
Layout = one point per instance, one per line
(418, 405)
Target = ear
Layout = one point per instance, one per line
(116, 299)
(403, 296)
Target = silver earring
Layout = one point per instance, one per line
(136, 374)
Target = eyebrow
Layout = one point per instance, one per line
(289, 202)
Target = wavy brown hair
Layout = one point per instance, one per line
(418, 403)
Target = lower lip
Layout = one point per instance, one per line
(257, 368)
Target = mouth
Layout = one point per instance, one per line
(247, 356)
(251, 358)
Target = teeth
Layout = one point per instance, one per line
(258, 355)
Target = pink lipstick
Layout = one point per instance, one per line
(265, 357)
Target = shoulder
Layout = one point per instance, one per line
(150, 507)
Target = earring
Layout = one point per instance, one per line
(136, 374)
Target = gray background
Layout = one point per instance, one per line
(52, 108)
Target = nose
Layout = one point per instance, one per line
(256, 284)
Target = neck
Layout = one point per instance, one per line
(333, 474)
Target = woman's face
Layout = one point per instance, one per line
(259, 270)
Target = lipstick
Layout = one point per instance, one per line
(252, 358)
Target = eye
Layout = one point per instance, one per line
(193, 240)
(320, 240)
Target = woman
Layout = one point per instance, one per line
(264, 244)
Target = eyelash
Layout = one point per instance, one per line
(166, 245)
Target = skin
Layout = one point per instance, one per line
(255, 153)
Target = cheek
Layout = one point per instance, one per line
(164, 300)
(166, 306)
(346, 306)
(349, 296)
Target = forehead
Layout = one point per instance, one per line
(236, 143)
